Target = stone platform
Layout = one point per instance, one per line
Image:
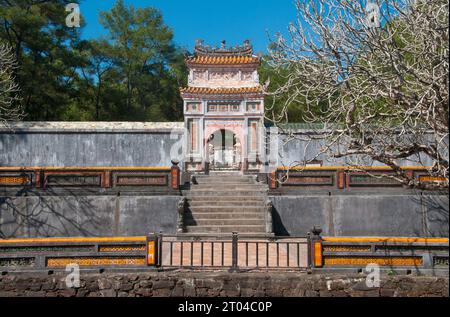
(182, 283)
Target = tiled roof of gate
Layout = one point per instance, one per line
(221, 91)
(223, 60)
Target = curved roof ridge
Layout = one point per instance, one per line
(223, 60)
(221, 91)
(239, 50)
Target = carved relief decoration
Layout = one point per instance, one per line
(224, 75)
(247, 76)
(199, 75)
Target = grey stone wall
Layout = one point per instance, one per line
(190, 284)
(82, 215)
(362, 214)
(87, 144)
(296, 148)
(130, 144)
(127, 215)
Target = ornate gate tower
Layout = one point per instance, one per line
(223, 109)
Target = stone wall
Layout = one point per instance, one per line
(296, 147)
(358, 214)
(83, 215)
(203, 284)
(362, 214)
(89, 144)
(28, 214)
(131, 144)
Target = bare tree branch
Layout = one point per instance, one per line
(10, 107)
(384, 85)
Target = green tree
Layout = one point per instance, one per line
(95, 73)
(146, 64)
(44, 49)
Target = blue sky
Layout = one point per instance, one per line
(213, 21)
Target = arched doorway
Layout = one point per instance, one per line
(224, 150)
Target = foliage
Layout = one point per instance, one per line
(142, 53)
(131, 74)
(42, 44)
(380, 90)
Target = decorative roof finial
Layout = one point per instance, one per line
(240, 50)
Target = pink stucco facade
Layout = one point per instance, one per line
(223, 109)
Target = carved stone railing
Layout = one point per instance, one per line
(343, 177)
(95, 252)
(414, 253)
(153, 178)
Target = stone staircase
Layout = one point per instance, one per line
(222, 203)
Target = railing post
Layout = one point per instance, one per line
(234, 252)
(159, 242)
(152, 248)
(308, 250)
(175, 173)
(315, 247)
(106, 179)
(340, 178)
(206, 167)
(410, 175)
(181, 211)
(273, 180)
(268, 216)
(38, 179)
(44, 180)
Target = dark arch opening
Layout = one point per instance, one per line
(224, 150)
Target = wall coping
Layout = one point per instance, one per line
(123, 126)
(84, 168)
(350, 167)
(93, 127)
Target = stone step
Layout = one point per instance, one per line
(226, 228)
(212, 179)
(224, 222)
(224, 180)
(226, 203)
(229, 185)
(214, 198)
(224, 215)
(195, 209)
(229, 171)
(222, 203)
(231, 193)
(226, 176)
(225, 173)
(188, 236)
(224, 187)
